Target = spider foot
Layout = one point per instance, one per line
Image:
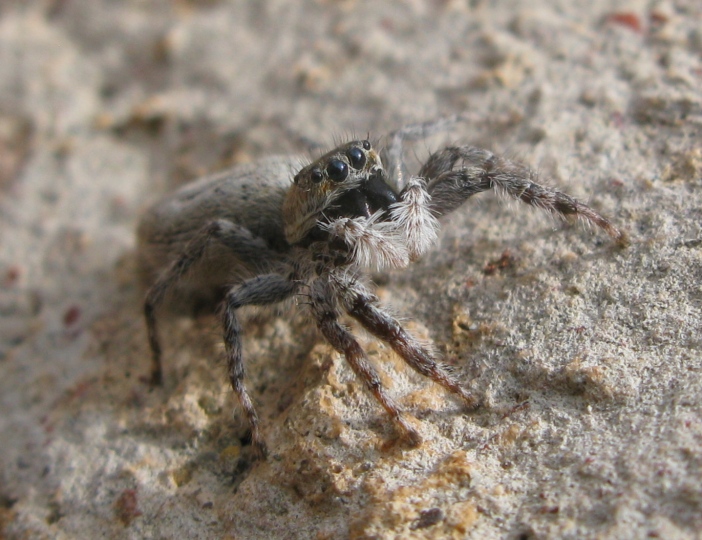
(408, 435)
(154, 379)
(470, 401)
(260, 449)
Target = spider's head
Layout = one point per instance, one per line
(349, 182)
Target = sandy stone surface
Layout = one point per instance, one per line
(588, 356)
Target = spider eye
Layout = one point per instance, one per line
(366, 145)
(337, 170)
(316, 176)
(296, 178)
(356, 157)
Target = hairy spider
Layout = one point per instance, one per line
(259, 234)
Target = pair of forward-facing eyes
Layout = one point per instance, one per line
(337, 170)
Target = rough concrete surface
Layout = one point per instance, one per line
(588, 356)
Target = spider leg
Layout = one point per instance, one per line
(237, 239)
(261, 290)
(481, 170)
(376, 242)
(326, 313)
(371, 242)
(414, 216)
(391, 154)
(363, 305)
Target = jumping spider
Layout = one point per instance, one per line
(259, 234)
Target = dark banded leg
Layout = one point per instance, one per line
(261, 290)
(236, 238)
(481, 170)
(362, 305)
(326, 314)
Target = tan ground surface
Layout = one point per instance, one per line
(589, 356)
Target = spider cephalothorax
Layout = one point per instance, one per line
(348, 181)
(280, 232)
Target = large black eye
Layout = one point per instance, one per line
(366, 145)
(337, 170)
(316, 176)
(356, 157)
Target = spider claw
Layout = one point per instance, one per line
(260, 450)
(412, 438)
(154, 379)
(408, 437)
(470, 401)
(622, 238)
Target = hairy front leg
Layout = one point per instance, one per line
(371, 242)
(414, 216)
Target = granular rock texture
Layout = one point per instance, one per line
(588, 356)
